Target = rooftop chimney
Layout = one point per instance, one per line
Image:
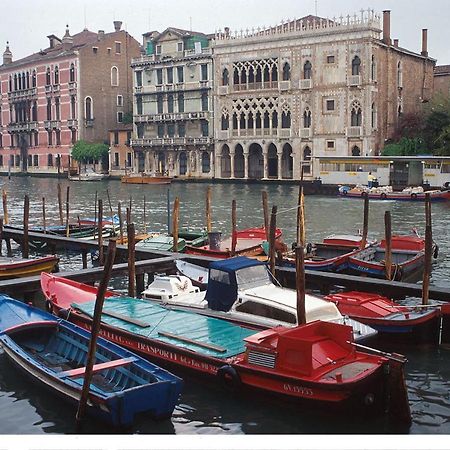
(101, 34)
(424, 42)
(67, 40)
(7, 55)
(117, 25)
(395, 42)
(387, 27)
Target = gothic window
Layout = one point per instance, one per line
(10, 83)
(72, 73)
(286, 119)
(236, 76)
(250, 121)
(356, 151)
(373, 69)
(88, 108)
(251, 75)
(56, 75)
(28, 80)
(242, 122)
(258, 120)
(356, 115)
(235, 122)
(258, 77)
(356, 65)
(23, 81)
(286, 71)
(307, 118)
(307, 70)
(266, 73)
(57, 109)
(266, 120)
(48, 80)
(72, 107)
(274, 119)
(33, 79)
(114, 76)
(307, 154)
(15, 81)
(49, 109)
(225, 122)
(274, 73)
(225, 77)
(206, 162)
(243, 76)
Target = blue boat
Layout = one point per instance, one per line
(54, 351)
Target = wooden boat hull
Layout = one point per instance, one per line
(435, 196)
(366, 392)
(135, 385)
(27, 267)
(128, 179)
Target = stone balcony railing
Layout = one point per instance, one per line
(52, 124)
(23, 94)
(305, 133)
(354, 80)
(72, 123)
(72, 85)
(354, 132)
(144, 118)
(166, 141)
(305, 84)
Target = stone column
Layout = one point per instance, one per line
(232, 163)
(279, 155)
(266, 160)
(147, 162)
(246, 148)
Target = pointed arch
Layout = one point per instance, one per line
(286, 71)
(356, 114)
(307, 70)
(225, 77)
(114, 76)
(356, 65)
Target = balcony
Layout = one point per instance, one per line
(17, 127)
(173, 141)
(284, 85)
(72, 85)
(223, 90)
(48, 89)
(354, 80)
(56, 88)
(89, 123)
(33, 126)
(256, 86)
(52, 124)
(284, 133)
(23, 94)
(354, 132)
(205, 84)
(72, 123)
(204, 51)
(305, 133)
(223, 135)
(144, 118)
(305, 84)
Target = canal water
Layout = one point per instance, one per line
(205, 409)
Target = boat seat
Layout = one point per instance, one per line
(80, 371)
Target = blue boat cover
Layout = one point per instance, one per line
(222, 284)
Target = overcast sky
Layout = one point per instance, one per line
(26, 23)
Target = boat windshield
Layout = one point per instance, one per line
(251, 277)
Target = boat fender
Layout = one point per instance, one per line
(229, 378)
(49, 306)
(436, 251)
(64, 314)
(383, 195)
(414, 195)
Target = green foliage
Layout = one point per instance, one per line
(405, 147)
(127, 118)
(84, 151)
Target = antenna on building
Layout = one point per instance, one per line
(84, 10)
(315, 2)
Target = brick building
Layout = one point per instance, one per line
(442, 80)
(120, 152)
(77, 88)
(311, 87)
(173, 105)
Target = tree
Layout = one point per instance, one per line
(83, 151)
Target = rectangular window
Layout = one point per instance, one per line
(36, 139)
(94, 50)
(181, 129)
(160, 130)
(205, 102)
(1, 156)
(179, 46)
(330, 105)
(139, 78)
(180, 74)
(119, 116)
(181, 102)
(128, 138)
(204, 72)
(74, 136)
(205, 128)
(129, 159)
(171, 129)
(30, 160)
(170, 75)
(57, 109)
(158, 49)
(140, 131)
(159, 76)
(17, 160)
(1, 141)
(36, 160)
(49, 109)
(119, 100)
(58, 137)
(116, 159)
(160, 104)
(116, 138)
(118, 47)
(330, 59)
(330, 145)
(50, 137)
(170, 103)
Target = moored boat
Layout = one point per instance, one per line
(409, 194)
(316, 363)
(161, 243)
(89, 176)
(26, 267)
(53, 352)
(141, 178)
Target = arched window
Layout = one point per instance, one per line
(48, 79)
(274, 73)
(10, 83)
(235, 121)
(15, 81)
(114, 76)
(286, 119)
(24, 83)
(235, 76)
(266, 123)
(356, 151)
(72, 73)
(225, 77)
(356, 115)
(19, 82)
(274, 119)
(374, 116)
(251, 75)
(50, 160)
(206, 162)
(307, 154)
(250, 121)
(33, 79)
(225, 122)
(170, 103)
(28, 80)
(286, 71)
(307, 118)
(399, 110)
(242, 124)
(356, 65)
(34, 112)
(88, 109)
(72, 107)
(56, 75)
(373, 69)
(399, 75)
(307, 70)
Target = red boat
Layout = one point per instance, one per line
(388, 318)
(317, 363)
(248, 243)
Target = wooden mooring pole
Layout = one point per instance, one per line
(300, 260)
(111, 212)
(67, 211)
(100, 232)
(273, 226)
(26, 216)
(365, 222)
(388, 247)
(233, 228)
(131, 260)
(266, 213)
(208, 210)
(44, 220)
(5, 207)
(428, 251)
(176, 212)
(1, 235)
(145, 218)
(119, 213)
(96, 321)
(60, 207)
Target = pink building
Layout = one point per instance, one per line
(77, 88)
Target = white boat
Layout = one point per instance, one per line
(89, 176)
(242, 290)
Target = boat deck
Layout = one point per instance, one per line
(205, 335)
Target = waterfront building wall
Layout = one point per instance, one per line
(442, 81)
(121, 155)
